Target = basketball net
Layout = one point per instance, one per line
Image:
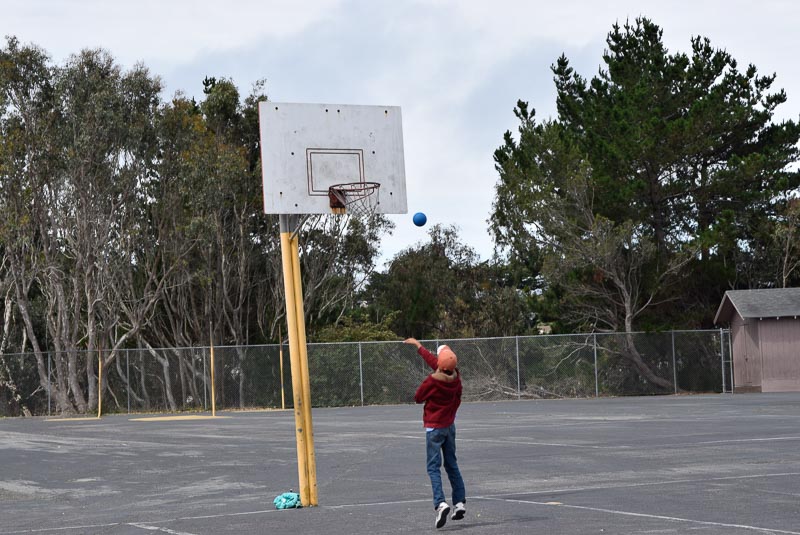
(356, 198)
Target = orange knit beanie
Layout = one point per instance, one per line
(447, 359)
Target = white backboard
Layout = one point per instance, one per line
(307, 148)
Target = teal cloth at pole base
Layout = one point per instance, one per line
(288, 500)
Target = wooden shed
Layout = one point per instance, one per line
(765, 332)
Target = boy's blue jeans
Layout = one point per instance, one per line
(442, 442)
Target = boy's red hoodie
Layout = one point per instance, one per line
(440, 392)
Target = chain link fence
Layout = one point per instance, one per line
(373, 373)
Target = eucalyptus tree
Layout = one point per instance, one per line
(212, 149)
(29, 159)
(232, 278)
(131, 222)
(108, 139)
(11, 396)
(179, 230)
(80, 138)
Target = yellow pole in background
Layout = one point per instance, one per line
(294, 358)
(301, 332)
(99, 385)
(280, 356)
(213, 389)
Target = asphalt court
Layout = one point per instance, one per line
(710, 464)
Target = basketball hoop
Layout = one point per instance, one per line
(356, 198)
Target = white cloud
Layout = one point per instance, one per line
(457, 67)
(165, 31)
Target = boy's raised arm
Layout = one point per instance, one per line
(413, 342)
(429, 357)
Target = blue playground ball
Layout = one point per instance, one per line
(420, 219)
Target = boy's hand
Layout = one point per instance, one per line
(413, 342)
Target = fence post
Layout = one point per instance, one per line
(519, 389)
(360, 374)
(49, 381)
(205, 384)
(674, 370)
(128, 376)
(722, 360)
(730, 358)
(596, 385)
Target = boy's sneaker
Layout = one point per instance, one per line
(441, 514)
(459, 511)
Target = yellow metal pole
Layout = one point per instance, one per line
(213, 389)
(301, 332)
(280, 356)
(99, 385)
(294, 359)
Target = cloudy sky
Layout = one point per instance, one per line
(456, 67)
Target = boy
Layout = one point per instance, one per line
(441, 393)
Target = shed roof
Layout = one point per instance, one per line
(772, 303)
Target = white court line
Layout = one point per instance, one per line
(401, 502)
(648, 484)
(795, 495)
(733, 440)
(138, 525)
(655, 517)
(525, 443)
(156, 528)
(575, 489)
(496, 497)
(245, 513)
(62, 528)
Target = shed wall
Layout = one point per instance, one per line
(780, 351)
(746, 355)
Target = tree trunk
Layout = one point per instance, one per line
(126, 381)
(181, 375)
(61, 390)
(240, 351)
(22, 306)
(164, 361)
(631, 354)
(143, 380)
